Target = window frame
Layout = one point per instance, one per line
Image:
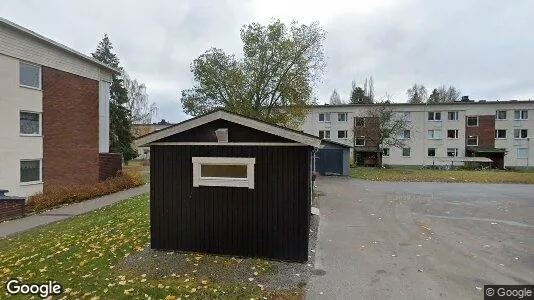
(497, 136)
(325, 135)
(40, 180)
(428, 150)
(346, 134)
(356, 141)
(324, 117)
(40, 87)
(455, 113)
(40, 123)
(521, 111)
(467, 140)
(501, 111)
(409, 152)
(467, 121)
(434, 114)
(519, 135)
(433, 136)
(456, 134)
(385, 152)
(342, 114)
(403, 135)
(356, 124)
(455, 150)
(199, 181)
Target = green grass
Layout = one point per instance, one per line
(84, 254)
(427, 175)
(139, 166)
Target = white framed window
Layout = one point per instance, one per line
(522, 152)
(472, 140)
(30, 171)
(500, 133)
(472, 121)
(520, 133)
(500, 115)
(431, 152)
(324, 117)
(434, 134)
(452, 133)
(359, 122)
(29, 75)
(406, 152)
(434, 116)
(360, 141)
(452, 152)
(385, 152)
(452, 115)
(521, 114)
(324, 134)
(342, 117)
(405, 134)
(223, 171)
(30, 123)
(342, 134)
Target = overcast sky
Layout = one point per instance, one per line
(483, 47)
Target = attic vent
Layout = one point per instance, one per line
(222, 135)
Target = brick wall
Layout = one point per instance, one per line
(11, 208)
(485, 131)
(110, 164)
(370, 131)
(70, 129)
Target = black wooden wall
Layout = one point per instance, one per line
(271, 220)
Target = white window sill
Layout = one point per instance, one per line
(500, 138)
(500, 119)
(405, 156)
(30, 87)
(434, 120)
(30, 183)
(452, 138)
(472, 145)
(520, 119)
(227, 182)
(359, 145)
(520, 138)
(31, 135)
(434, 139)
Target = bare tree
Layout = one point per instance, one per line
(381, 127)
(141, 110)
(417, 93)
(335, 99)
(444, 94)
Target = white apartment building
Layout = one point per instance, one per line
(438, 133)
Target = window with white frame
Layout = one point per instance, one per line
(452, 133)
(359, 122)
(434, 134)
(521, 114)
(360, 141)
(30, 123)
(324, 117)
(223, 171)
(385, 152)
(324, 134)
(452, 152)
(452, 116)
(29, 75)
(500, 115)
(500, 133)
(522, 152)
(30, 171)
(434, 116)
(342, 117)
(520, 133)
(472, 140)
(431, 152)
(472, 121)
(342, 134)
(405, 134)
(406, 152)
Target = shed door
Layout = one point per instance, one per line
(329, 161)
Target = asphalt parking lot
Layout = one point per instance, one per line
(383, 240)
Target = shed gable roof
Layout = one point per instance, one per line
(280, 131)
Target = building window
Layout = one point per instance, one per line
(434, 134)
(324, 117)
(324, 134)
(472, 121)
(521, 114)
(522, 152)
(452, 152)
(30, 123)
(341, 134)
(520, 133)
(30, 171)
(385, 152)
(434, 116)
(360, 141)
(223, 171)
(452, 133)
(405, 134)
(500, 115)
(452, 116)
(500, 133)
(431, 152)
(359, 122)
(406, 152)
(29, 75)
(472, 140)
(342, 117)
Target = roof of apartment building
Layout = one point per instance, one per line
(56, 44)
(425, 104)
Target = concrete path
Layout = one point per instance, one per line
(392, 240)
(54, 215)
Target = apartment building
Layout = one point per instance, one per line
(54, 114)
(442, 133)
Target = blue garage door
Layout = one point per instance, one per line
(329, 161)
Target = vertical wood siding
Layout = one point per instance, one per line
(270, 221)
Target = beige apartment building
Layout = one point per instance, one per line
(444, 133)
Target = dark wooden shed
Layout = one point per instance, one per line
(227, 184)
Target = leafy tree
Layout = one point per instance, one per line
(358, 95)
(444, 94)
(335, 99)
(120, 135)
(141, 110)
(434, 97)
(272, 82)
(417, 93)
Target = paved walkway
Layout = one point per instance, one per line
(62, 213)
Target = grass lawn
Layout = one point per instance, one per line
(427, 175)
(86, 254)
(139, 166)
